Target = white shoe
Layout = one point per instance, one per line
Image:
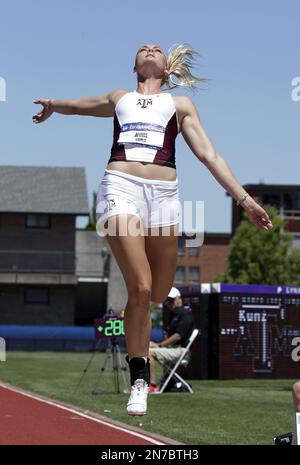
(137, 403)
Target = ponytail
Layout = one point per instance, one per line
(179, 63)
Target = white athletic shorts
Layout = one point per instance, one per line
(156, 202)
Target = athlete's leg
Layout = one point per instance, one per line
(296, 396)
(129, 251)
(162, 256)
(153, 378)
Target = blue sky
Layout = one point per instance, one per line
(70, 49)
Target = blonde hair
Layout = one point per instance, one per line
(180, 60)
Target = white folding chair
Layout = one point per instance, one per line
(182, 361)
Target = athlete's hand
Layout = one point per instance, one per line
(152, 344)
(45, 113)
(257, 215)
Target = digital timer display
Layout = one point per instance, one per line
(110, 326)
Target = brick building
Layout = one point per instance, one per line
(283, 196)
(200, 264)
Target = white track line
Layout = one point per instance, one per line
(102, 422)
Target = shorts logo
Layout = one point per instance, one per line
(109, 205)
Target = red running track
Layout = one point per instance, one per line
(29, 419)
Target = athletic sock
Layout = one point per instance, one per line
(145, 358)
(139, 369)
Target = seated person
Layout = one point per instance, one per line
(291, 438)
(180, 328)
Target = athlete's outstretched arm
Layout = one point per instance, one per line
(101, 105)
(203, 148)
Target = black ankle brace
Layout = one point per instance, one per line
(139, 369)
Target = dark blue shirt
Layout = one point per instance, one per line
(181, 321)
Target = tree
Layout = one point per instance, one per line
(261, 257)
(294, 267)
(91, 226)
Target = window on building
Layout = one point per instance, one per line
(38, 221)
(269, 198)
(36, 296)
(291, 201)
(181, 245)
(194, 251)
(179, 274)
(194, 274)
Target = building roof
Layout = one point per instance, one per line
(43, 189)
(270, 187)
(281, 187)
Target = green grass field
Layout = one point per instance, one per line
(219, 412)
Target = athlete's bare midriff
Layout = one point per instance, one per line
(144, 170)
